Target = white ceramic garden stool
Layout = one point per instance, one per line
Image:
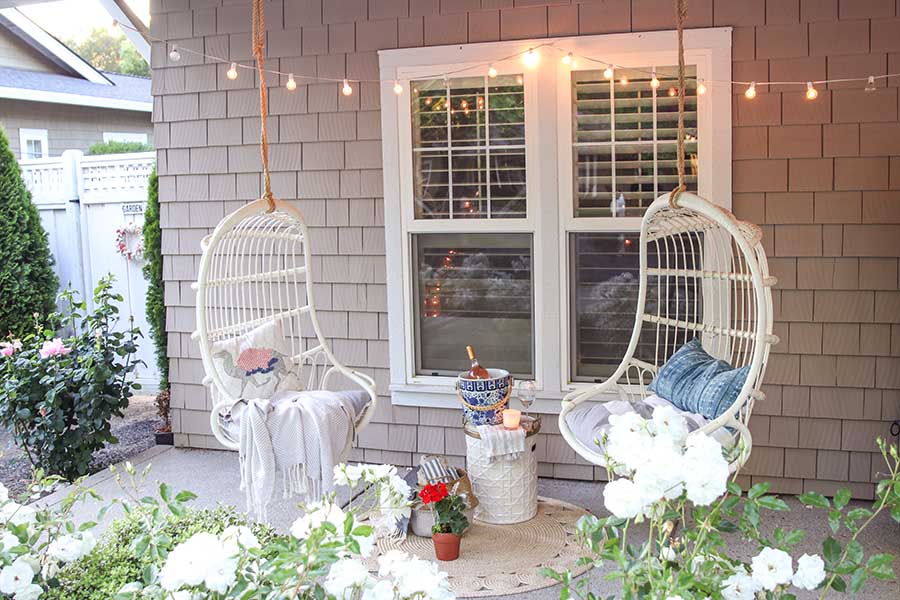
(506, 490)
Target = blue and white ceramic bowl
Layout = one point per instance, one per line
(493, 392)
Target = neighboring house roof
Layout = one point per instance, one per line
(125, 92)
(78, 83)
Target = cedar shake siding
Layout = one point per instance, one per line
(822, 178)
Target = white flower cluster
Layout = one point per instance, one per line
(771, 569)
(660, 461)
(317, 514)
(400, 577)
(392, 491)
(22, 569)
(206, 559)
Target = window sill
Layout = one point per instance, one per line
(444, 396)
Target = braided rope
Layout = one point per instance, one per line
(680, 14)
(259, 44)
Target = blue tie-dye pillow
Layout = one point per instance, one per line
(696, 382)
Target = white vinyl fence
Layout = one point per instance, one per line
(82, 201)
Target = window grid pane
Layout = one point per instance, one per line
(469, 147)
(473, 289)
(624, 140)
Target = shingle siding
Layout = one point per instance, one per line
(821, 178)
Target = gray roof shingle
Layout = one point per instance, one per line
(125, 87)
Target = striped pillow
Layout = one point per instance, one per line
(694, 381)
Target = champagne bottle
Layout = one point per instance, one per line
(477, 371)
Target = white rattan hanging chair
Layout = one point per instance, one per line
(703, 273)
(255, 270)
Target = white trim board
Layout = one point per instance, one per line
(550, 217)
(75, 99)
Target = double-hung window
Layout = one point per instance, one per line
(33, 143)
(514, 195)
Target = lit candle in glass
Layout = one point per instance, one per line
(511, 418)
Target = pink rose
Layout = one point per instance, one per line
(53, 347)
(7, 351)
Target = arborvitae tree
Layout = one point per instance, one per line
(28, 284)
(153, 273)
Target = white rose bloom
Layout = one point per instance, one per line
(182, 595)
(623, 498)
(668, 423)
(771, 568)
(316, 514)
(701, 448)
(66, 548)
(8, 541)
(189, 562)
(345, 577)
(373, 472)
(236, 537)
(810, 572)
(662, 477)
(740, 586)
(420, 577)
(18, 514)
(705, 483)
(348, 475)
(220, 573)
(88, 542)
(4, 493)
(32, 591)
(390, 560)
(16, 577)
(382, 590)
(629, 440)
(366, 544)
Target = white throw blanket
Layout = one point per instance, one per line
(501, 443)
(300, 435)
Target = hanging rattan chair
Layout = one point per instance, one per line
(703, 273)
(256, 270)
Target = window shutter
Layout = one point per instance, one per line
(624, 140)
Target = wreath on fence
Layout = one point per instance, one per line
(122, 234)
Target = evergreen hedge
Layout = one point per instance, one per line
(28, 284)
(153, 273)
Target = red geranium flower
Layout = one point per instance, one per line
(433, 493)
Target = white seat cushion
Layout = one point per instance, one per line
(589, 421)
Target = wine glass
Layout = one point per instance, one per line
(526, 391)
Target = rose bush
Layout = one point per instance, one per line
(679, 487)
(62, 384)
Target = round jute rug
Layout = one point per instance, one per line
(496, 560)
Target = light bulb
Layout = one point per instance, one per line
(398, 89)
(673, 92)
(492, 71)
(870, 83)
(608, 72)
(231, 73)
(574, 64)
(291, 85)
(701, 88)
(531, 58)
(623, 80)
(811, 92)
(346, 89)
(654, 83)
(567, 59)
(751, 91)
(174, 55)
(520, 80)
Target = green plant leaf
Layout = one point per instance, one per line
(854, 552)
(841, 498)
(773, 503)
(758, 490)
(831, 550)
(857, 580)
(814, 499)
(839, 584)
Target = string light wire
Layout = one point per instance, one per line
(866, 80)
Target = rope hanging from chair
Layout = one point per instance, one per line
(259, 45)
(680, 14)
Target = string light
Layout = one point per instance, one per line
(492, 71)
(291, 85)
(398, 89)
(870, 83)
(531, 58)
(346, 89)
(751, 91)
(701, 88)
(623, 80)
(811, 92)
(231, 73)
(608, 72)
(174, 54)
(672, 92)
(654, 83)
(567, 59)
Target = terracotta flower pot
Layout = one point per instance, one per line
(446, 546)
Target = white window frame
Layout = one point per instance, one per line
(550, 218)
(124, 136)
(26, 135)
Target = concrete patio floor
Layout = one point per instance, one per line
(213, 476)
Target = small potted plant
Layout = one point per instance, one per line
(449, 519)
(164, 435)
